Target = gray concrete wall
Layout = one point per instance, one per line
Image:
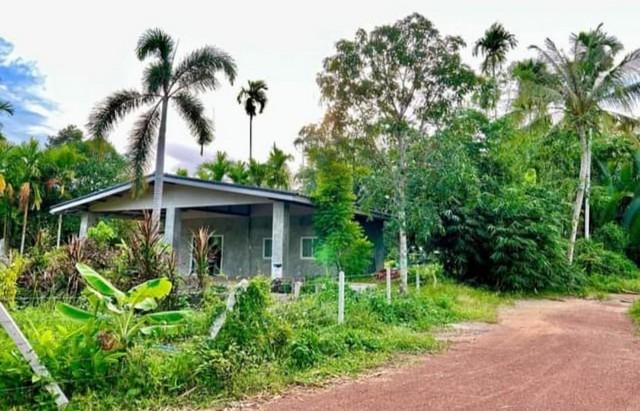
(243, 244)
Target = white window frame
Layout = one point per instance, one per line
(193, 239)
(264, 248)
(313, 249)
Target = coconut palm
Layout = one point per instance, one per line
(587, 86)
(164, 81)
(252, 97)
(214, 170)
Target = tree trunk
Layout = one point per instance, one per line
(587, 192)
(402, 218)
(5, 230)
(159, 173)
(250, 139)
(59, 234)
(24, 228)
(577, 206)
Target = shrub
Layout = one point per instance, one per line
(8, 279)
(595, 259)
(511, 240)
(102, 233)
(613, 237)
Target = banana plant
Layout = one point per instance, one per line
(123, 314)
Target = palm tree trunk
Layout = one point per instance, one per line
(250, 138)
(59, 234)
(577, 206)
(5, 229)
(402, 217)
(587, 192)
(24, 228)
(159, 174)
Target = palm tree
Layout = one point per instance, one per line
(494, 46)
(214, 170)
(238, 172)
(257, 173)
(30, 163)
(7, 108)
(278, 174)
(164, 81)
(252, 97)
(587, 86)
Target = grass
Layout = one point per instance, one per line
(634, 312)
(259, 353)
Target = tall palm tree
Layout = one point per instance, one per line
(164, 81)
(278, 174)
(587, 86)
(252, 97)
(494, 46)
(30, 163)
(214, 170)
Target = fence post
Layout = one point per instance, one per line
(27, 352)
(341, 297)
(231, 301)
(296, 289)
(389, 285)
(418, 277)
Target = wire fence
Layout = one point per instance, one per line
(291, 287)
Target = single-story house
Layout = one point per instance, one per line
(255, 230)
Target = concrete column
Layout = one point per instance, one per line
(173, 227)
(87, 220)
(280, 239)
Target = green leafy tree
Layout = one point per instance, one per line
(68, 135)
(342, 241)
(385, 89)
(257, 173)
(254, 99)
(182, 172)
(238, 172)
(589, 86)
(165, 81)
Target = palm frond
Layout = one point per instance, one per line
(141, 148)
(198, 69)
(192, 111)
(157, 77)
(157, 43)
(6, 107)
(253, 96)
(114, 108)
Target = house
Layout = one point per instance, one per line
(255, 230)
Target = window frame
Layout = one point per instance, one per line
(264, 248)
(314, 240)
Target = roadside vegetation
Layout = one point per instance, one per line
(520, 179)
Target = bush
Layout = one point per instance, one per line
(613, 237)
(8, 280)
(103, 234)
(511, 240)
(595, 259)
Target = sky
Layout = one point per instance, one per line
(59, 58)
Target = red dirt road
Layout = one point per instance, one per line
(543, 355)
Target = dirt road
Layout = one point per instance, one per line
(543, 355)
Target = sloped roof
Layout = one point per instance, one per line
(79, 203)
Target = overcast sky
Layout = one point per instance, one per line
(58, 58)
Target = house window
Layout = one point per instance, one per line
(308, 247)
(267, 248)
(216, 246)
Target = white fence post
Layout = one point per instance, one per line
(389, 285)
(341, 297)
(418, 277)
(27, 352)
(231, 301)
(297, 284)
